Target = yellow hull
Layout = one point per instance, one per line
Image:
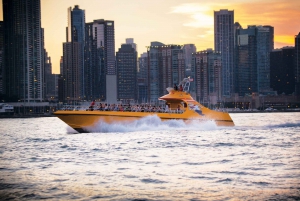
(80, 120)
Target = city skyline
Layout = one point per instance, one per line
(169, 22)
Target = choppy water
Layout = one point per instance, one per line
(258, 159)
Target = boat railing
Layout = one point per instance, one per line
(185, 83)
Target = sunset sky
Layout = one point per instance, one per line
(168, 21)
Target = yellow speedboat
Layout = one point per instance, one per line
(179, 104)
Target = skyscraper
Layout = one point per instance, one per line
(23, 50)
(263, 35)
(188, 50)
(166, 68)
(1, 59)
(207, 67)
(153, 71)
(224, 43)
(143, 78)
(246, 61)
(127, 72)
(101, 41)
(252, 57)
(282, 70)
(73, 56)
(297, 64)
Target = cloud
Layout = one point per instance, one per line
(197, 15)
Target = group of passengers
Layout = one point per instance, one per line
(132, 108)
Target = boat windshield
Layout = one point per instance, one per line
(186, 84)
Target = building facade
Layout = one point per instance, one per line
(245, 61)
(224, 43)
(282, 70)
(207, 79)
(297, 64)
(95, 85)
(252, 59)
(1, 59)
(126, 59)
(188, 50)
(104, 34)
(73, 57)
(142, 77)
(23, 50)
(166, 67)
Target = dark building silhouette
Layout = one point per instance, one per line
(1, 59)
(100, 64)
(224, 43)
(252, 59)
(297, 64)
(142, 77)
(126, 59)
(166, 67)
(95, 85)
(23, 69)
(282, 70)
(73, 56)
(206, 73)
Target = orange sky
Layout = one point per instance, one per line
(168, 21)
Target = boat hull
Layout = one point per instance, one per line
(81, 121)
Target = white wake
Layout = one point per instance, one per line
(151, 123)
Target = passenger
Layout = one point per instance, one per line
(121, 108)
(178, 109)
(92, 105)
(180, 88)
(175, 87)
(106, 107)
(167, 108)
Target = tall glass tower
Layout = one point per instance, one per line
(297, 64)
(23, 50)
(73, 56)
(224, 43)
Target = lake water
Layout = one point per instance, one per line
(258, 159)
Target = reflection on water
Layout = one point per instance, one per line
(258, 159)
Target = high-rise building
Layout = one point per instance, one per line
(60, 81)
(94, 68)
(263, 35)
(224, 43)
(100, 67)
(207, 68)
(153, 71)
(50, 80)
(245, 61)
(166, 68)
(142, 78)
(252, 59)
(73, 56)
(282, 70)
(1, 59)
(297, 64)
(104, 34)
(126, 59)
(131, 42)
(23, 50)
(188, 50)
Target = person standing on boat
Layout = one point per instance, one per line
(175, 87)
(92, 105)
(167, 108)
(180, 88)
